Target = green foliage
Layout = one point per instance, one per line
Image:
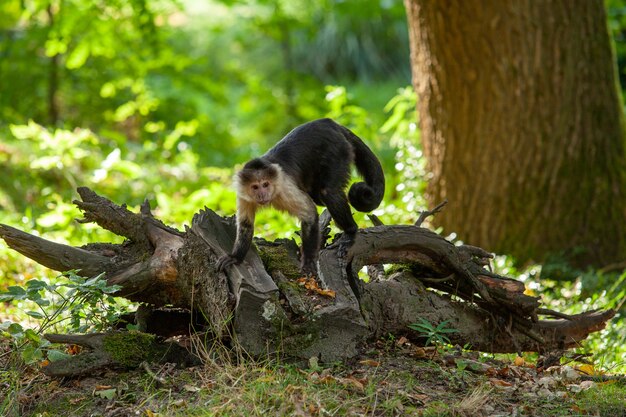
(223, 79)
(362, 39)
(435, 335)
(149, 99)
(72, 302)
(606, 400)
(584, 291)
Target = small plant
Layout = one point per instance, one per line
(435, 335)
(80, 304)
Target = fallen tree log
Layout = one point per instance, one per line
(263, 304)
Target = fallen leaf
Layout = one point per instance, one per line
(370, 362)
(328, 379)
(179, 403)
(73, 349)
(293, 388)
(312, 285)
(415, 397)
(585, 385)
(547, 381)
(569, 374)
(327, 293)
(191, 388)
(402, 341)
(419, 352)
(499, 383)
(588, 369)
(574, 388)
(108, 394)
(519, 361)
(352, 382)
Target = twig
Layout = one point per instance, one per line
(152, 375)
(374, 218)
(425, 214)
(613, 267)
(547, 312)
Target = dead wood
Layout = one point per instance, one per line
(261, 304)
(114, 350)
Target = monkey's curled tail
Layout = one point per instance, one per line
(365, 196)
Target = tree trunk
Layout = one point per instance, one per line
(522, 126)
(265, 307)
(53, 75)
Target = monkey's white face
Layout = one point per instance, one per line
(262, 192)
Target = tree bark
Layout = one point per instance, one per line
(263, 306)
(522, 126)
(53, 75)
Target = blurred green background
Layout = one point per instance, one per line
(160, 99)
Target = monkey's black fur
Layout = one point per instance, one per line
(317, 157)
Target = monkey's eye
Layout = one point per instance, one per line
(255, 187)
(266, 184)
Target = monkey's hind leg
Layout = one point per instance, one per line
(310, 246)
(339, 208)
(337, 204)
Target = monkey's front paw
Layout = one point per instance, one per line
(345, 243)
(225, 262)
(308, 269)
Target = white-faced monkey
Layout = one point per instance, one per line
(308, 167)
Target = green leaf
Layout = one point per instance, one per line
(108, 394)
(91, 282)
(33, 336)
(16, 292)
(36, 284)
(36, 314)
(42, 302)
(55, 46)
(4, 297)
(78, 56)
(57, 355)
(31, 354)
(15, 329)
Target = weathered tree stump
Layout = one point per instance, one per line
(262, 304)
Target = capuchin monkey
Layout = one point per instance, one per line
(308, 167)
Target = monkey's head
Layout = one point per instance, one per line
(257, 181)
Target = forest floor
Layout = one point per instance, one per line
(392, 378)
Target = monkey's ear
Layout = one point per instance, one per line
(244, 176)
(271, 172)
(256, 164)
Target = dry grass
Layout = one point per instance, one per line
(388, 381)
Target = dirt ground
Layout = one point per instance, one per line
(391, 378)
